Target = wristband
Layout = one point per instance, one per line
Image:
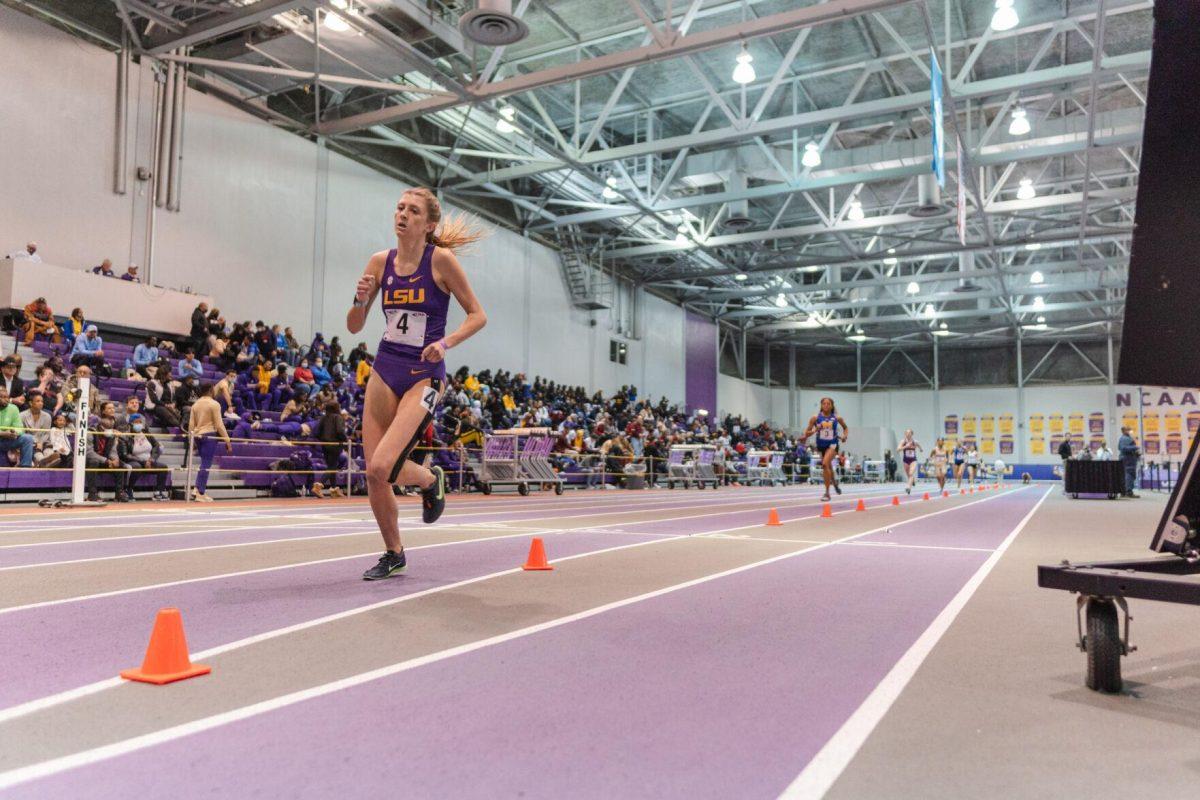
(357, 303)
(442, 344)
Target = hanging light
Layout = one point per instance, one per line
(855, 214)
(781, 301)
(891, 258)
(681, 236)
(943, 326)
(507, 115)
(913, 287)
(609, 192)
(1041, 320)
(335, 23)
(1034, 246)
(1038, 303)
(812, 155)
(741, 276)
(1005, 18)
(1020, 123)
(1036, 277)
(930, 311)
(857, 337)
(743, 73)
(1026, 191)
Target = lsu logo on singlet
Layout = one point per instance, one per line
(404, 297)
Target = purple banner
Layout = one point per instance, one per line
(700, 363)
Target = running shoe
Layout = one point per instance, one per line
(825, 496)
(433, 499)
(837, 487)
(908, 490)
(389, 564)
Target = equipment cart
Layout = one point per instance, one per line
(704, 470)
(500, 466)
(758, 467)
(681, 465)
(1103, 587)
(534, 462)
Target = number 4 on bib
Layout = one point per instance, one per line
(429, 398)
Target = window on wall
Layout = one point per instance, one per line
(617, 351)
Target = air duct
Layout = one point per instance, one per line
(929, 197)
(738, 216)
(492, 23)
(966, 265)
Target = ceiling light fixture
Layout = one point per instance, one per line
(1038, 303)
(609, 192)
(891, 258)
(1034, 246)
(930, 311)
(1026, 191)
(507, 115)
(1020, 123)
(741, 276)
(743, 73)
(335, 23)
(1005, 18)
(812, 155)
(1036, 277)
(781, 301)
(913, 287)
(855, 214)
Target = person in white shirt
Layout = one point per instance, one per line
(1103, 453)
(30, 252)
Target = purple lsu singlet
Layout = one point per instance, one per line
(414, 307)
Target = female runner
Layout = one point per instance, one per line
(908, 453)
(960, 457)
(938, 457)
(417, 278)
(972, 463)
(826, 424)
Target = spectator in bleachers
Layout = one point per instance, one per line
(186, 393)
(302, 379)
(12, 432)
(282, 351)
(293, 346)
(131, 274)
(74, 327)
(160, 398)
(336, 356)
(224, 392)
(105, 269)
(205, 425)
(199, 333)
(12, 382)
(28, 253)
(363, 370)
(102, 454)
(89, 350)
(39, 319)
(48, 385)
(144, 355)
(331, 430)
(37, 424)
(60, 453)
(280, 387)
(320, 375)
(190, 365)
(264, 340)
(132, 408)
(319, 348)
(140, 451)
(356, 354)
(68, 399)
(247, 354)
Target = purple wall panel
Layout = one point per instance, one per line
(700, 363)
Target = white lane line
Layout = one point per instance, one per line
(53, 766)
(747, 538)
(824, 769)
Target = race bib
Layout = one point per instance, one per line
(405, 327)
(429, 398)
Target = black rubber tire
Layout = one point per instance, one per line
(558, 488)
(486, 488)
(1103, 645)
(523, 489)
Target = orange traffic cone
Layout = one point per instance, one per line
(167, 656)
(926, 497)
(537, 556)
(773, 518)
(945, 493)
(861, 506)
(827, 511)
(895, 500)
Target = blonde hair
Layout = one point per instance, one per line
(457, 231)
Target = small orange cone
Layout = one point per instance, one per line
(945, 494)
(861, 506)
(895, 500)
(926, 497)
(826, 511)
(167, 656)
(773, 518)
(537, 556)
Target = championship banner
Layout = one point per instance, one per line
(1056, 423)
(987, 447)
(987, 425)
(1006, 427)
(1150, 422)
(1037, 425)
(1075, 423)
(1037, 447)
(968, 423)
(1006, 444)
(1193, 422)
(1096, 422)
(1172, 422)
(1174, 444)
(951, 424)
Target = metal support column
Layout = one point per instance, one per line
(936, 380)
(791, 386)
(1022, 430)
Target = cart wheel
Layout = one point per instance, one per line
(1112, 496)
(670, 485)
(523, 489)
(486, 488)
(558, 488)
(1103, 645)
(1074, 495)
